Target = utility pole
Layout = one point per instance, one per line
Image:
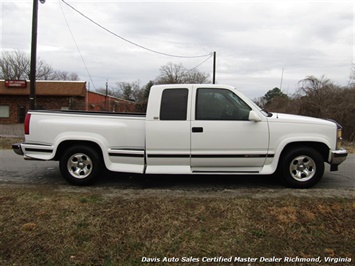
(34, 54)
(214, 68)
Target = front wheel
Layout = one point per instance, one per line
(302, 167)
(80, 165)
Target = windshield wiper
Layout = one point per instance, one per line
(269, 114)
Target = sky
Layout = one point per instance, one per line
(259, 45)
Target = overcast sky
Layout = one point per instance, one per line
(255, 41)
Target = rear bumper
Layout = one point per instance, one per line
(17, 148)
(33, 151)
(336, 158)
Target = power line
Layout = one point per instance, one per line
(192, 69)
(77, 47)
(126, 40)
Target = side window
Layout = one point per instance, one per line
(174, 104)
(220, 104)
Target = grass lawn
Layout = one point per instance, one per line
(42, 225)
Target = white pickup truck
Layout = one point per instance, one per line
(188, 129)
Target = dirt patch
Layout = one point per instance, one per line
(349, 146)
(63, 225)
(5, 143)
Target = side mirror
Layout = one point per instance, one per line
(253, 116)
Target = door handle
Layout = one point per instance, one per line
(197, 129)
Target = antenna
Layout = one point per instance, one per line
(214, 68)
(282, 76)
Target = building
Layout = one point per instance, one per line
(101, 102)
(51, 95)
(54, 95)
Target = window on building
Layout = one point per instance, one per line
(4, 111)
(174, 104)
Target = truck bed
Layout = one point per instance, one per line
(114, 133)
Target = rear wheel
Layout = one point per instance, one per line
(80, 165)
(302, 167)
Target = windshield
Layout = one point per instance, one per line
(262, 110)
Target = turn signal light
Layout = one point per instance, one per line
(339, 139)
(27, 124)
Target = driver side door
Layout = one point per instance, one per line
(222, 137)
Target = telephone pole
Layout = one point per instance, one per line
(34, 54)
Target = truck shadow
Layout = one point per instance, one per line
(187, 182)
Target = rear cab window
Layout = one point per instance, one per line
(174, 104)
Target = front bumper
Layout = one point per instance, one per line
(17, 148)
(336, 158)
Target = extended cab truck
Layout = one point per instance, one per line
(188, 129)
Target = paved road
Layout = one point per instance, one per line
(14, 169)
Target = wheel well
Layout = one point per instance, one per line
(69, 143)
(322, 148)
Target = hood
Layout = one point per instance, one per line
(298, 119)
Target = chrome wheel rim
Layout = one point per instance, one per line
(80, 165)
(302, 168)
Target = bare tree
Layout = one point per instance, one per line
(16, 65)
(64, 75)
(260, 101)
(320, 97)
(315, 86)
(316, 96)
(171, 74)
(124, 90)
(178, 74)
(196, 77)
(129, 91)
(43, 71)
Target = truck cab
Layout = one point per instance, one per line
(204, 129)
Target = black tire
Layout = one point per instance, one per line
(80, 165)
(301, 167)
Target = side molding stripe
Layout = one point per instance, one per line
(126, 155)
(38, 150)
(211, 156)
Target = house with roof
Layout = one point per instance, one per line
(54, 95)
